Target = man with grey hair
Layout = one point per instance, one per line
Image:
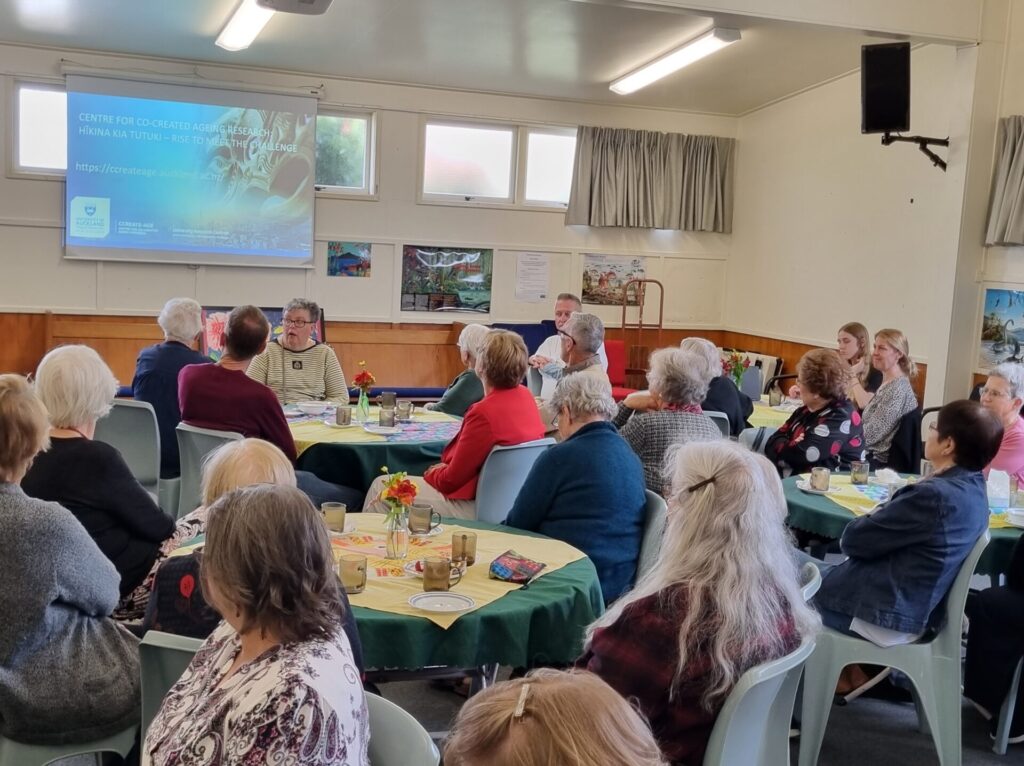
(581, 336)
(156, 373)
(588, 490)
(548, 358)
(1003, 396)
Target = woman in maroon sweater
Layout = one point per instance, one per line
(506, 415)
(723, 596)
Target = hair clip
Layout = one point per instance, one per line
(700, 484)
(521, 704)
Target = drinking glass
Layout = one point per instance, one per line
(403, 410)
(387, 417)
(464, 547)
(820, 478)
(343, 415)
(334, 515)
(859, 472)
(352, 571)
(438, 573)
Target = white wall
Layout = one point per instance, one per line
(832, 227)
(36, 277)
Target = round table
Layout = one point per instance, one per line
(543, 623)
(819, 515)
(352, 457)
(766, 416)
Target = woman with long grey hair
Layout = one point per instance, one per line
(723, 596)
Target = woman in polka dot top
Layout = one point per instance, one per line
(826, 430)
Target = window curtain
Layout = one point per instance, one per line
(645, 179)
(1006, 211)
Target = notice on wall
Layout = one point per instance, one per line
(533, 277)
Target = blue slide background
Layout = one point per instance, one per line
(134, 181)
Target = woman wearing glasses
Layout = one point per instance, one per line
(1003, 396)
(296, 367)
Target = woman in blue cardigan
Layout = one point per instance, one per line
(588, 491)
(904, 557)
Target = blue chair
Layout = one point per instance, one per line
(163, 657)
(752, 383)
(194, 444)
(753, 727)
(396, 738)
(503, 475)
(655, 518)
(18, 754)
(721, 420)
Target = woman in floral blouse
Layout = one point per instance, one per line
(826, 430)
(275, 683)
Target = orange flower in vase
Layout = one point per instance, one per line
(398, 495)
(364, 381)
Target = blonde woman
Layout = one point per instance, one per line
(894, 398)
(551, 717)
(466, 389)
(723, 596)
(854, 347)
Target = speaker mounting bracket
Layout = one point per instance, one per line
(923, 142)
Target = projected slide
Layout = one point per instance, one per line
(186, 181)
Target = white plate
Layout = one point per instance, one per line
(411, 570)
(1015, 517)
(332, 424)
(382, 430)
(350, 527)
(805, 486)
(441, 602)
(435, 531)
(293, 412)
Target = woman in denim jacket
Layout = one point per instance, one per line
(904, 557)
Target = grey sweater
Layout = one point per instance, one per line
(68, 673)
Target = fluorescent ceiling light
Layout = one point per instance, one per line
(696, 49)
(242, 28)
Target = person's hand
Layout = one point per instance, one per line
(436, 467)
(794, 391)
(642, 401)
(537, 361)
(858, 368)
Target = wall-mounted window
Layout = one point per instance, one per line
(344, 153)
(41, 128)
(496, 165)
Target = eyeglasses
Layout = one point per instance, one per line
(300, 323)
(994, 392)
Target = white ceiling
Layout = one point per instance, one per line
(552, 48)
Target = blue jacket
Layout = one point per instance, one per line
(588, 491)
(904, 557)
(156, 382)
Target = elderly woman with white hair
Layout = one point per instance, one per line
(722, 597)
(88, 477)
(466, 389)
(1003, 395)
(600, 512)
(156, 374)
(678, 382)
(723, 395)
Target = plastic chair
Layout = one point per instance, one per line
(163, 657)
(752, 383)
(18, 754)
(396, 738)
(933, 667)
(810, 580)
(721, 420)
(131, 429)
(503, 475)
(754, 439)
(753, 726)
(655, 518)
(534, 381)
(1006, 713)
(194, 444)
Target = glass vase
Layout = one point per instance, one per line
(397, 536)
(363, 407)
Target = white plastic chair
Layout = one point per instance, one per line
(131, 429)
(753, 727)
(1006, 713)
(932, 666)
(396, 738)
(163, 657)
(754, 439)
(721, 420)
(810, 580)
(17, 754)
(503, 475)
(534, 381)
(194, 444)
(655, 518)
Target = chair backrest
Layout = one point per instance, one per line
(655, 518)
(758, 709)
(947, 642)
(396, 738)
(810, 580)
(19, 754)
(130, 427)
(754, 439)
(752, 382)
(503, 475)
(534, 381)
(163, 657)
(926, 417)
(615, 350)
(721, 420)
(905, 452)
(194, 444)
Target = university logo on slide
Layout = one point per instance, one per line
(89, 217)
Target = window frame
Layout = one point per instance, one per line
(14, 169)
(371, 162)
(458, 200)
(525, 131)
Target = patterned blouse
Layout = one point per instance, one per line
(298, 703)
(882, 416)
(829, 437)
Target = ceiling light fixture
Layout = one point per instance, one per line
(694, 50)
(244, 25)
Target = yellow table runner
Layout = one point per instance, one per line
(388, 587)
(862, 500)
(763, 415)
(309, 432)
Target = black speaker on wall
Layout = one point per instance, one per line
(885, 88)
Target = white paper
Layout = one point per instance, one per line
(533, 273)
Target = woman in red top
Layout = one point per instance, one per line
(506, 415)
(722, 597)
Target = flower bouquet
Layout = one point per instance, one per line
(734, 365)
(398, 495)
(364, 381)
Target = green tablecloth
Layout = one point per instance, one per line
(357, 465)
(819, 515)
(543, 623)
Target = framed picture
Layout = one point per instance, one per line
(1002, 328)
(446, 278)
(605, 277)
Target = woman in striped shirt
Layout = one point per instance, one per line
(296, 367)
